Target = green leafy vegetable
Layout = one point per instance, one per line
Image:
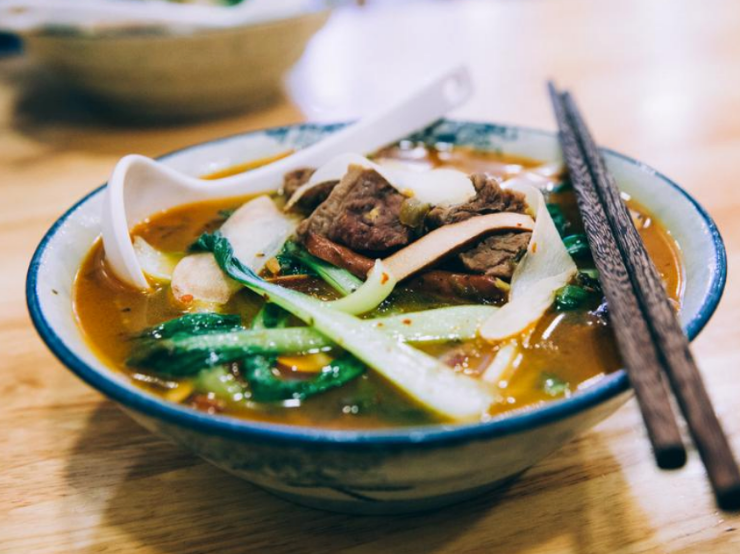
(339, 279)
(577, 246)
(421, 376)
(563, 186)
(265, 386)
(377, 287)
(180, 354)
(585, 290)
(558, 218)
(553, 385)
(193, 324)
(589, 280)
(290, 264)
(184, 355)
(270, 316)
(221, 383)
(571, 297)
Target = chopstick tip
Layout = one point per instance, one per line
(671, 457)
(728, 499)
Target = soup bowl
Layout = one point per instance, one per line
(377, 471)
(166, 75)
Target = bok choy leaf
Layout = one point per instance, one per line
(339, 279)
(422, 377)
(265, 386)
(220, 339)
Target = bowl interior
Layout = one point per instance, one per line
(60, 254)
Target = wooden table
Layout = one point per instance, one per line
(658, 80)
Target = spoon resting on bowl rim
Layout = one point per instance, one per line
(140, 186)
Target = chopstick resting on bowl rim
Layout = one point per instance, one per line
(649, 335)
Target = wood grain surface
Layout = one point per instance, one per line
(659, 80)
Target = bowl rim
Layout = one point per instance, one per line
(432, 435)
(135, 33)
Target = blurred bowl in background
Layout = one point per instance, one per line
(164, 75)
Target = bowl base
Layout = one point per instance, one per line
(360, 504)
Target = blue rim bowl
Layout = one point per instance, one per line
(199, 159)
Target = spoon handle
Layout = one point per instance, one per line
(413, 112)
(140, 186)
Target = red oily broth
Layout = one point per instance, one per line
(566, 351)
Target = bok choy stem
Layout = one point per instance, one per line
(182, 354)
(422, 377)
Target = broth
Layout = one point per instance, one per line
(566, 351)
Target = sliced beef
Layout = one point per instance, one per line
(338, 255)
(362, 212)
(490, 198)
(314, 196)
(496, 255)
(449, 284)
(480, 288)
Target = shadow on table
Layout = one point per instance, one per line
(162, 497)
(49, 113)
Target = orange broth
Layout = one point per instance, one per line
(566, 351)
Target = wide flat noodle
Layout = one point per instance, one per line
(435, 187)
(154, 263)
(434, 246)
(256, 231)
(545, 268)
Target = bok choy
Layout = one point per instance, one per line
(422, 377)
(192, 342)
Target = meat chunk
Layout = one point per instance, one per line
(490, 198)
(338, 255)
(314, 196)
(447, 284)
(496, 255)
(362, 212)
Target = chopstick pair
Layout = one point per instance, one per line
(648, 333)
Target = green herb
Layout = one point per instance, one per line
(290, 264)
(339, 279)
(563, 186)
(558, 218)
(270, 316)
(585, 290)
(571, 297)
(553, 385)
(193, 324)
(589, 280)
(591, 274)
(265, 386)
(577, 246)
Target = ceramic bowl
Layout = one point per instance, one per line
(176, 76)
(398, 470)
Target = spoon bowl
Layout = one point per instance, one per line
(140, 186)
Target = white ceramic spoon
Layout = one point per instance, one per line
(140, 186)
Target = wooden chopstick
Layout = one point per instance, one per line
(673, 346)
(630, 328)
